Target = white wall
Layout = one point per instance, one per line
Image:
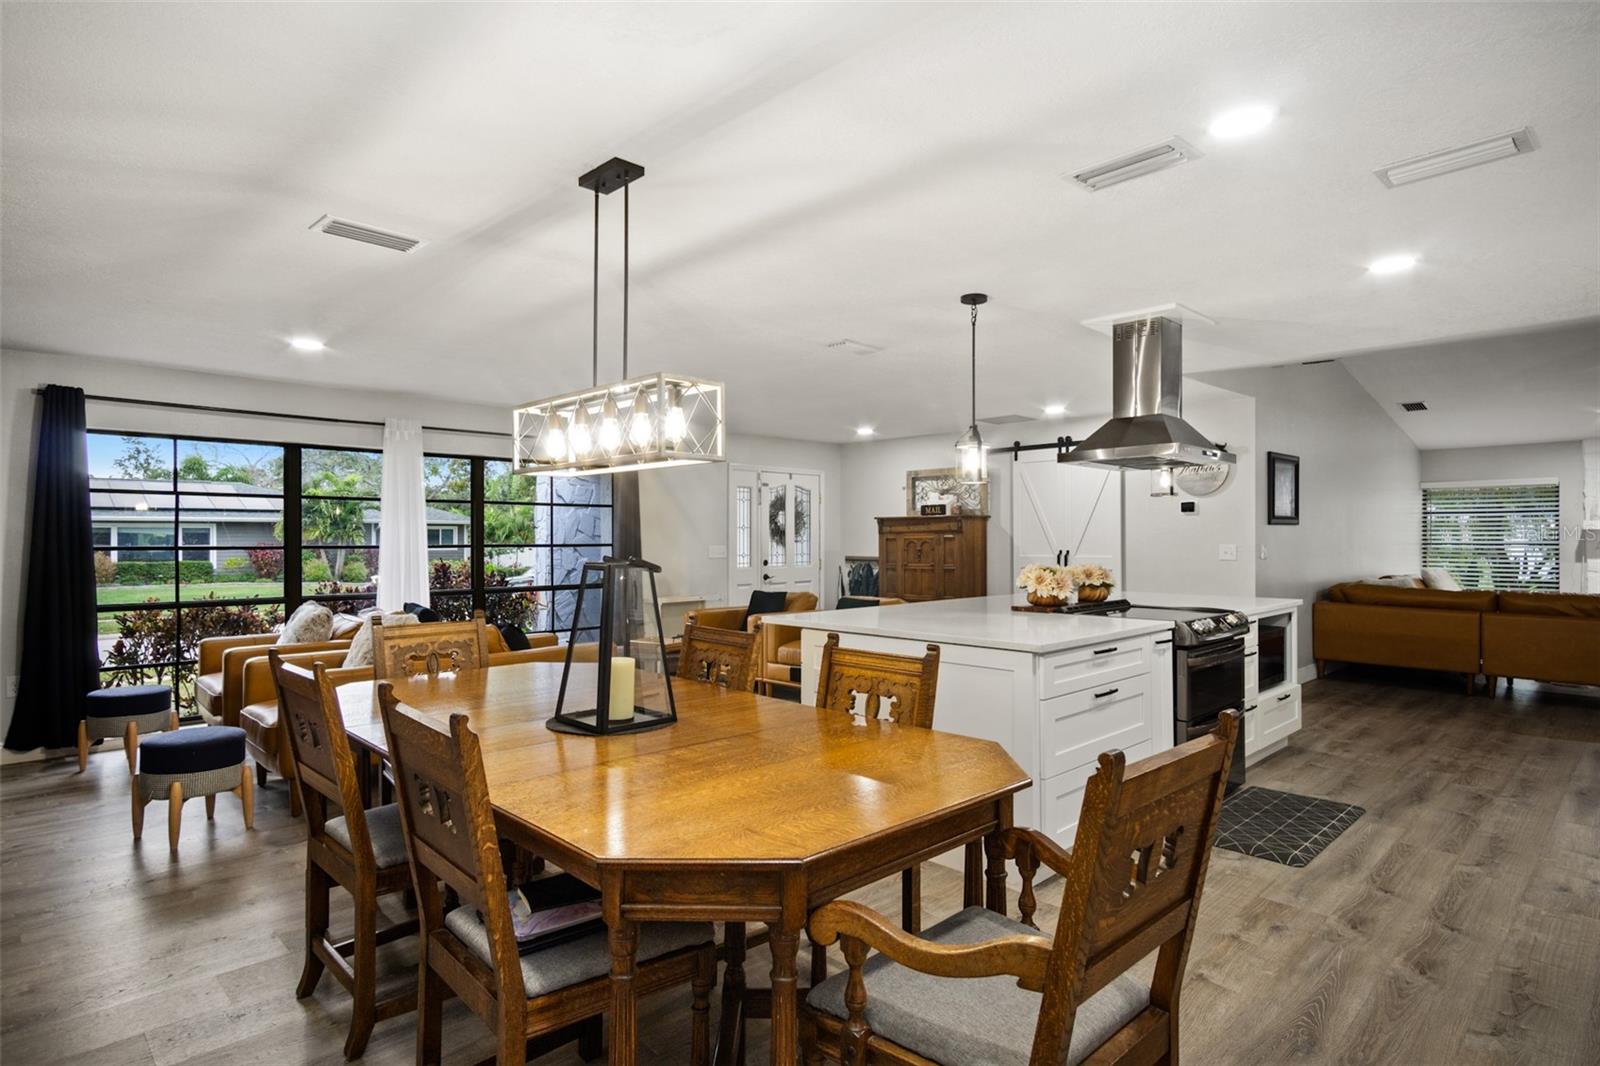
(1562, 461)
(683, 514)
(1360, 505)
(1163, 549)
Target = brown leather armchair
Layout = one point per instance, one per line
(264, 739)
(779, 662)
(219, 674)
(736, 618)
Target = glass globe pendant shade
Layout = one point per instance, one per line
(972, 457)
(1161, 482)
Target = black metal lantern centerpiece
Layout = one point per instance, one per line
(625, 617)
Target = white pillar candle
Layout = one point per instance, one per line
(621, 709)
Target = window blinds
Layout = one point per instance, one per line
(1501, 537)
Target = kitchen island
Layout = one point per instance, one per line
(1055, 690)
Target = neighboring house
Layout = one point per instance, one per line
(133, 521)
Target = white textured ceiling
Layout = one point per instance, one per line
(814, 172)
(1525, 388)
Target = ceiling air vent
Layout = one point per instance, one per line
(355, 231)
(845, 344)
(1169, 153)
(1414, 405)
(1421, 167)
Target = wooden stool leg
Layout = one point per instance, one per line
(139, 801)
(211, 807)
(174, 813)
(247, 796)
(130, 741)
(83, 745)
(172, 720)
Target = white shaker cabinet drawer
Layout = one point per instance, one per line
(1062, 796)
(1279, 714)
(1077, 727)
(1081, 668)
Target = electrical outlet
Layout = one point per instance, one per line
(716, 551)
(1263, 551)
(1228, 553)
(11, 688)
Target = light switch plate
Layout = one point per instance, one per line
(716, 551)
(1228, 553)
(11, 688)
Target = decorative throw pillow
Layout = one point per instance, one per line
(515, 638)
(1395, 581)
(1441, 579)
(311, 622)
(344, 626)
(423, 612)
(360, 653)
(764, 602)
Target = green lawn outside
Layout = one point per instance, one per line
(225, 590)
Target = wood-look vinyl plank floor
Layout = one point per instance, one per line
(1458, 921)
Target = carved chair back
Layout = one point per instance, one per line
(401, 651)
(721, 656)
(904, 683)
(1137, 870)
(326, 767)
(449, 826)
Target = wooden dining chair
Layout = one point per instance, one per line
(534, 1002)
(401, 651)
(361, 850)
(980, 987)
(721, 656)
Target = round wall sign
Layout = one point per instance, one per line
(1203, 480)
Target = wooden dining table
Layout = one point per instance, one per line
(747, 809)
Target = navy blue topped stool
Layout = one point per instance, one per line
(124, 712)
(192, 762)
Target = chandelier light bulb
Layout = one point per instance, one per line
(555, 441)
(641, 430)
(675, 425)
(579, 432)
(610, 433)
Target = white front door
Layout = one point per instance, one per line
(775, 531)
(1065, 513)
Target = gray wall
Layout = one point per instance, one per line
(1562, 461)
(1360, 501)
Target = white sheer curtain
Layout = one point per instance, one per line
(403, 526)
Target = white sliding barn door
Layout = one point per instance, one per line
(1065, 513)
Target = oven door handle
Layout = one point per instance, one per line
(1210, 657)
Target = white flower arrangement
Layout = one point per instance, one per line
(1090, 575)
(1054, 582)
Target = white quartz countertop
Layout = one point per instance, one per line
(1251, 606)
(983, 622)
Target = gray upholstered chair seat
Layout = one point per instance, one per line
(562, 965)
(982, 1021)
(383, 826)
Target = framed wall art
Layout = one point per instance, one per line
(1283, 489)
(926, 487)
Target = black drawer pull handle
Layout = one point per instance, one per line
(1107, 692)
(1249, 655)
(1167, 641)
(1285, 696)
(1250, 708)
(1105, 651)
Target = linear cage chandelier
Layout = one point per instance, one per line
(640, 423)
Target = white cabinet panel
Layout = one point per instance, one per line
(1279, 713)
(1063, 796)
(1080, 668)
(1078, 727)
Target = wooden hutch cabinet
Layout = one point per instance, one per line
(943, 557)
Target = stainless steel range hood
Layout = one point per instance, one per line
(1147, 430)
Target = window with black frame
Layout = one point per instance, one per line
(188, 538)
(536, 533)
(340, 509)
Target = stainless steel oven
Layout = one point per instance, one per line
(1209, 679)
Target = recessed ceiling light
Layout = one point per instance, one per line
(307, 344)
(1055, 409)
(1392, 264)
(864, 431)
(1242, 121)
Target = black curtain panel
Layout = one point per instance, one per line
(60, 658)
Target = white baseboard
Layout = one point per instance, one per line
(1308, 672)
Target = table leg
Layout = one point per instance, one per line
(785, 947)
(730, 1028)
(972, 875)
(623, 937)
(997, 859)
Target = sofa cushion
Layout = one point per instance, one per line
(1568, 604)
(260, 724)
(788, 653)
(360, 653)
(383, 827)
(208, 693)
(344, 626)
(310, 623)
(575, 961)
(986, 1020)
(1437, 599)
(191, 751)
(1395, 581)
(1440, 579)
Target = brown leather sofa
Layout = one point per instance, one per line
(265, 741)
(779, 654)
(1543, 636)
(219, 673)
